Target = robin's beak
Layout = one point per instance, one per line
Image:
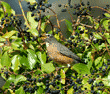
(43, 37)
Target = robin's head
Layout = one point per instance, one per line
(50, 38)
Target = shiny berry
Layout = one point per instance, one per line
(63, 10)
(59, 5)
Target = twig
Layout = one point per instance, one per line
(23, 13)
(100, 8)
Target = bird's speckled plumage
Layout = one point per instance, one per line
(57, 48)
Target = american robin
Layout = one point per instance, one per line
(59, 53)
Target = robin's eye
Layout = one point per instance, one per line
(48, 35)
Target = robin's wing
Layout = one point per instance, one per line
(65, 51)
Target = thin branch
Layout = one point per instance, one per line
(23, 13)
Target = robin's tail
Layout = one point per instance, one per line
(79, 61)
(2, 81)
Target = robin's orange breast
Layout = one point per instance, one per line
(58, 57)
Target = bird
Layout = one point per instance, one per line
(60, 53)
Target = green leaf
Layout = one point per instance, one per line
(31, 46)
(31, 1)
(40, 84)
(81, 68)
(101, 46)
(32, 58)
(108, 41)
(20, 91)
(7, 8)
(15, 63)
(48, 16)
(97, 25)
(7, 48)
(57, 36)
(19, 78)
(62, 73)
(97, 61)
(42, 57)
(1, 14)
(5, 60)
(89, 64)
(85, 36)
(105, 24)
(50, 32)
(24, 61)
(70, 91)
(97, 36)
(2, 39)
(1, 44)
(48, 67)
(9, 34)
(91, 19)
(33, 31)
(9, 80)
(40, 90)
(89, 55)
(31, 20)
(16, 45)
(107, 35)
(37, 72)
(102, 20)
(14, 37)
(106, 80)
(69, 25)
(107, 15)
(86, 84)
(43, 26)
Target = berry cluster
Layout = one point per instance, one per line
(8, 21)
(53, 82)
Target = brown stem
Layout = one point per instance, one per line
(23, 13)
